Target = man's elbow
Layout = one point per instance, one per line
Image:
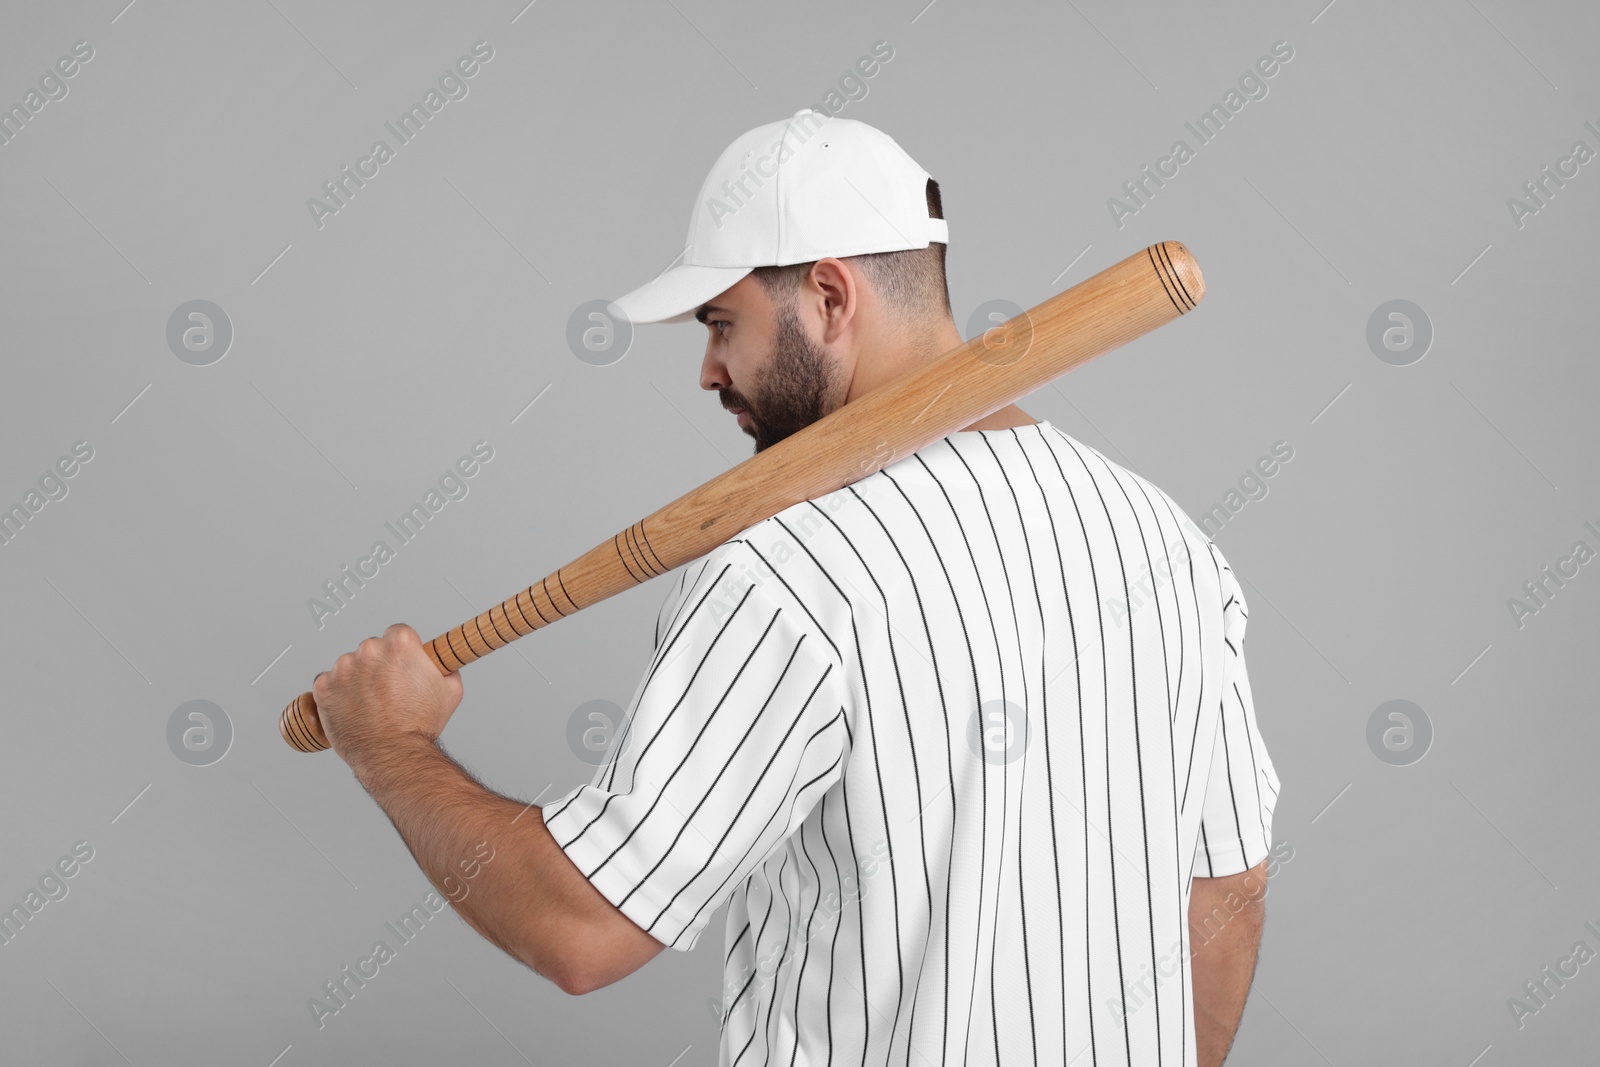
(559, 968)
(579, 983)
(611, 948)
(574, 972)
(581, 955)
(570, 965)
(574, 986)
(559, 973)
(587, 975)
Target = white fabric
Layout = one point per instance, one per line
(803, 748)
(794, 191)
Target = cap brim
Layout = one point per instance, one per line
(677, 293)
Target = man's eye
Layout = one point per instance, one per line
(719, 323)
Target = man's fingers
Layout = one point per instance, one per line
(399, 627)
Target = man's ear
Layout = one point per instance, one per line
(833, 292)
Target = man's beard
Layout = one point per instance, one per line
(794, 386)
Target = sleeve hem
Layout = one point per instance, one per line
(668, 923)
(1231, 859)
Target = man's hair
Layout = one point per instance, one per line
(912, 282)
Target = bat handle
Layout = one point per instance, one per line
(302, 728)
(454, 649)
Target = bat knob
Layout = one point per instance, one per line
(300, 726)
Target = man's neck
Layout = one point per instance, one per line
(907, 356)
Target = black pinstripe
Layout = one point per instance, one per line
(808, 706)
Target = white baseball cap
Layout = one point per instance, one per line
(792, 191)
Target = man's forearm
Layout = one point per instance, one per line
(521, 897)
(1225, 921)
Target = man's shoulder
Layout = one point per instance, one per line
(1164, 503)
(779, 554)
(829, 534)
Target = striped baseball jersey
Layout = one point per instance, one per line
(949, 743)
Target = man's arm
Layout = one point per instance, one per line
(1225, 919)
(527, 897)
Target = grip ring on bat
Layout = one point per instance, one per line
(472, 640)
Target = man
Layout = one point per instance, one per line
(967, 748)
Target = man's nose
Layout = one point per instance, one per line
(713, 375)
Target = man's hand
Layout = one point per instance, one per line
(387, 690)
(383, 707)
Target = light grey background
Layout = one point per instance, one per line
(429, 313)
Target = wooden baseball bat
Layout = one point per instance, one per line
(1004, 363)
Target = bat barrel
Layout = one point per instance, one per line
(1126, 300)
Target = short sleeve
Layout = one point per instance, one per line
(1242, 790)
(733, 736)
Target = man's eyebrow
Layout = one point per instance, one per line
(706, 309)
